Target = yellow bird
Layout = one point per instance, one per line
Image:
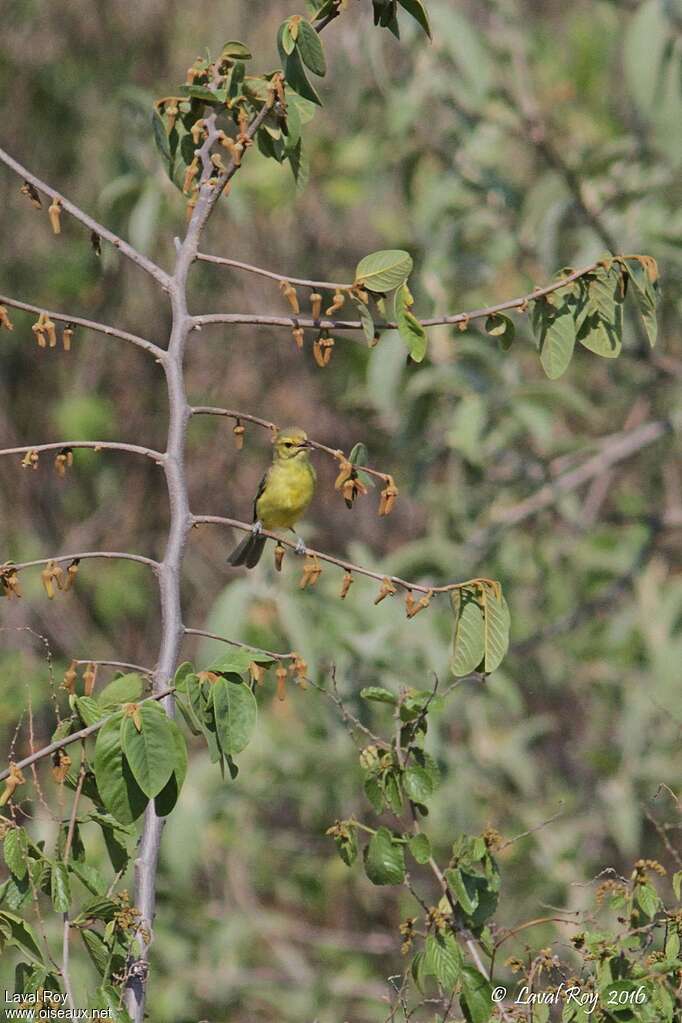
(284, 493)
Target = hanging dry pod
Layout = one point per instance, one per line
(238, 431)
(281, 675)
(50, 331)
(297, 334)
(96, 243)
(345, 471)
(386, 590)
(217, 161)
(257, 672)
(55, 213)
(12, 783)
(30, 460)
(171, 111)
(388, 496)
(346, 585)
(31, 193)
(318, 354)
(4, 319)
(197, 131)
(61, 762)
(9, 578)
(190, 208)
(38, 329)
(190, 174)
(299, 669)
(89, 677)
(67, 336)
(337, 303)
(463, 324)
(289, 293)
(353, 488)
(280, 551)
(70, 676)
(323, 350)
(315, 305)
(51, 574)
(312, 570)
(63, 461)
(71, 573)
(415, 606)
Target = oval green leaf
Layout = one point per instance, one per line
(124, 689)
(468, 640)
(384, 859)
(310, 48)
(384, 270)
(151, 751)
(116, 785)
(235, 710)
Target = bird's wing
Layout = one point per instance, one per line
(259, 493)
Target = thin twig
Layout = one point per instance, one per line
(79, 321)
(236, 642)
(238, 265)
(67, 922)
(83, 556)
(96, 445)
(123, 247)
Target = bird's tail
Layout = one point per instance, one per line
(247, 552)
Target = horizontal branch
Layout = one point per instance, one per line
(83, 556)
(116, 664)
(249, 268)
(95, 445)
(348, 566)
(325, 323)
(123, 247)
(208, 410)
(79, 321)
(46, 751)
(238, 643)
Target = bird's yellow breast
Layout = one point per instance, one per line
(288, 491)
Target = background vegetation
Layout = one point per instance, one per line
(528, 136)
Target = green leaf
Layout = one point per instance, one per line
(15, 850)
(556, 339)
(418, 11)
(600, 338)
(89, 710)
(442, 960)
(60, 889)
(647, 899)
(409, 327)
(108, 998)
(161, 140)
(466, 894)
(417, 784)
(502, 328)
(235, 711)
(117, 787)
(168, 796)
(374, 793)
(384, 270)
(378, 694)
(90, 877)
(420, 847)
(151, 751)
(124, 689)
(181, 675)
(384, 859)
(677, 883)
(468, 641)
(347, 845)
(288, 34)
(366, 319)
(294, 71)
(96, 949)
(234, 50)
(476, 998)
(643, 274)
(310, 48)
(20, 935)
(497, 622)
(237, 662)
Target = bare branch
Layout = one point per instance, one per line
(435, 321)
(348, 566)
(83, 556)
(66, 919)
(95, 445)
(79, 321)
(116, 664)
(238, 265)
(123, 247)
(84, 733)
(207, 410)
(237, 643)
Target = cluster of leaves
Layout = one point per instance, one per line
(590, 311)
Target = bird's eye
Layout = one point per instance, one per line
(288, 444)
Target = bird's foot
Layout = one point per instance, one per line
(257, 528)
(300, 547)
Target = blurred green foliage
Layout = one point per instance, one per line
(527, 137)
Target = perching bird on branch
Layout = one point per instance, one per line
(284, 493)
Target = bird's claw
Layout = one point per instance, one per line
(300, 547)
(257, 527)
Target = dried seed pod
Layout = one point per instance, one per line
(89, 677)
(281, 675)
(190, 208)
(337, 303)
(31, 193)
(239, 430)
(297, 334)
(289, 293)
(60, 766)
(171, 111)
(55, 213)
(67, 336)
(9, 578)
(318, 354)
(39, 331)
(190, 174)
(197, 130)
(388, 497)
(96, 243)
(70, 676)
(30, 460)
(4, 319)
(315, 305)
(48, 578)
(50, 331)
(71, 573)
(312, 570)
(217, 161)
(14, 780)
(279, 556)
(386, 590)
(346, 585)
(415, 606)
(463, 324)
(345, 471)
(257, 672)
